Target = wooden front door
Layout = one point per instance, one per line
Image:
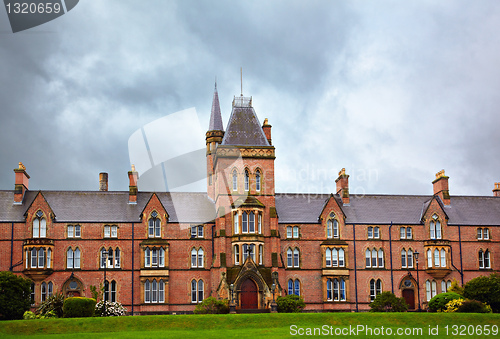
(409, 296)
(249, 295)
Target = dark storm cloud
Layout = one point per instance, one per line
(393, 92)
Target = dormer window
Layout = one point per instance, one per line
(332, 227)
(435, 228)
(154, 229)
(39, 226)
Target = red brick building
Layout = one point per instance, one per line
(338, 251)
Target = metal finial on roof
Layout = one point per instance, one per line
(241, 78)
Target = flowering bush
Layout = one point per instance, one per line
(453, 305)
(113, 309)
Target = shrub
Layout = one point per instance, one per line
(54, 304)
(211, 305)
(290, 304)
(75, 307)
(15, 296)
(388, 302)
(473, 306)
(113, 309)
(453, 305)
(28, 315)
(455, 287)
(485, 289)
(438, 302)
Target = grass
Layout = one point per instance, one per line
(246, 325)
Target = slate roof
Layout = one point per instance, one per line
(215, 116)
(384, 209)
(244, 128)
(96, 206)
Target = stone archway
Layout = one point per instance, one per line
(409, 291)
(249, 295)
(73, 287)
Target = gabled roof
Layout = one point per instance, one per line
(244, 128)
(96, 206)
(384, 209)
(215, 116)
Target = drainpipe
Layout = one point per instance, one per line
(453, 265)
(12, 247)
(390, 251)
(355, 269)
(133, 268)
(213, 249)
(461, 264)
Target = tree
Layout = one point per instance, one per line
(485, 289)
(15, 296)
(388, 302)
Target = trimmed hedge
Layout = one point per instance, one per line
(78, 307)
(438, 302)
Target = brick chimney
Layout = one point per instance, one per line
(441, 187)
(103, 182)
(132, 188)
(21, 186)
(267, 130)
(343, 186)
(496, 190)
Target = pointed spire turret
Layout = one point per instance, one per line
(215, 117)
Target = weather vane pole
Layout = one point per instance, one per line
(241, 78)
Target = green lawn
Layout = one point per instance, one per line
(259, 325)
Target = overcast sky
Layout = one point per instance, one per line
(393, 91)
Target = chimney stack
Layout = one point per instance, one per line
(440, 186)
(132, 188)
(343, 186)
(103, 182)
(267, 130)
(21, 184)
(496, 190)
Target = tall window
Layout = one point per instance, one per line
(260, 223)
(251, 228)
(197, 291)
(406, 258)
(246, 249)
(244, 222)
(235, 181)
(261, 254)
(257, 181)
(375, 288)
(109, 291)
(197, 256)
(73, 258)
(154, 291)
(374, 258)
(39, 226)
(236, 254)
(38, 257)
(335, 257)
(484, 259)
(154, 229)
(332, 227)
(435, 228)
(247, 181)
(294, 287)
(236, 224)
(154, 257)
(429, 258)
(293, 257)
(431, 289)
(338, 287)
